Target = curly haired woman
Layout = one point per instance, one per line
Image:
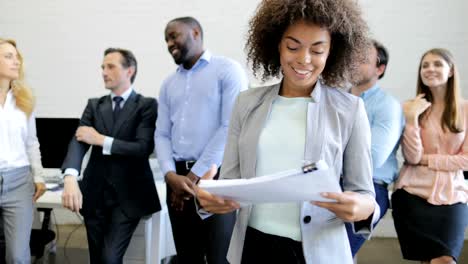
(314, 46)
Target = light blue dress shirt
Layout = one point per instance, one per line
(386, 121)
(194, 110)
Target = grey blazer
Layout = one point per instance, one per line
(337, 132)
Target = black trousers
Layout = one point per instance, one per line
(109, 230)
(197, 240)
(260, 247)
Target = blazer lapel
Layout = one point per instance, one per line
(315, 135)
(126, 112)
(259, 119)
(105, 109)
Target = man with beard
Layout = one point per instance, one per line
(195, 105)
(386, 120)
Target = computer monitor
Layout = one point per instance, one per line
(54, 134)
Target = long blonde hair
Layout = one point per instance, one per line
(451, 115)
(23, 94)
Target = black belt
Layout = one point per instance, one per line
(184, 164)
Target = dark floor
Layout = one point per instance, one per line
(72, 249)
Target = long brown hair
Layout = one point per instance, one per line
(23, 95)
(451, 115)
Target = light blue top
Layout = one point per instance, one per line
(386, 121)
(194, 110)
(281, 147)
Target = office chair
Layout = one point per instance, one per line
(41, 237)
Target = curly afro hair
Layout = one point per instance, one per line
(342, 18)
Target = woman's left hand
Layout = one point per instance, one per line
(349, 206)
(40, 189)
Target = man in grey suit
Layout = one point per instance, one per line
(117, 186)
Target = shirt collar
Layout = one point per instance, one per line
(125, 95)
(9, 96)
(314, 95)
(369, 92)
(204, 58)
(317, 92)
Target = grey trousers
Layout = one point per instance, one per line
(16, 205)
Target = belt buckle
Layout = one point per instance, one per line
(187, 164)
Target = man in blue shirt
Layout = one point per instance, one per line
(386, 120)
(194, 110)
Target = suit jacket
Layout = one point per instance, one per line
(337, 132)
(127, 169)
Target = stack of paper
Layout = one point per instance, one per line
(286, 186)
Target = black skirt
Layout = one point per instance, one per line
(426, 231)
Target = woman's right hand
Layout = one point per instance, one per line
(412, 109)
(212, 203)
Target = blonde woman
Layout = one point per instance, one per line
(429, 204)
(20, 158)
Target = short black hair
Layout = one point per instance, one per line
(190, 21)
(382, 55)
(129, 59)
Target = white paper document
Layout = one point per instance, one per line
(286, 186)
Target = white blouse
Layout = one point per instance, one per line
(19, 146)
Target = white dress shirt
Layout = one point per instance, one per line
(19, 146)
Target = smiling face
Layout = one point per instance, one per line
(304, 49)
(435, 71)
(183, 43)
(10, 62)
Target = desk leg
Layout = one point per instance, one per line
(153, 240)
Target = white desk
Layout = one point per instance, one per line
(151, 242)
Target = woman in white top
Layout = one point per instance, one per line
(20, 158)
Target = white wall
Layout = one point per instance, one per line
(63, 40)
(409, 28)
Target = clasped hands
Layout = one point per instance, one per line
(349, 206)
(183, 188)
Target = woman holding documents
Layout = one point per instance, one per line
(429, 204)
(313, 45)
(20, 158)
